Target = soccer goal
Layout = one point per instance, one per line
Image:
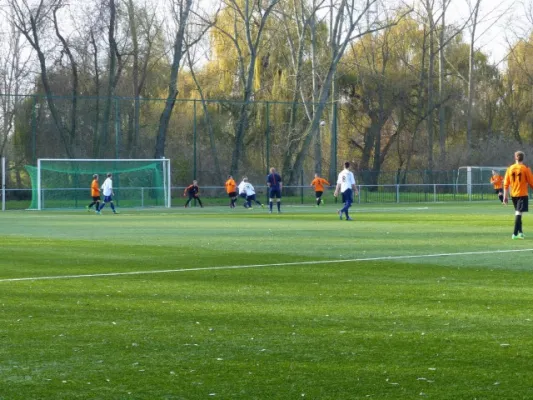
(65, 183)
(475, 179)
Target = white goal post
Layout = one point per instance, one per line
(87, 167)
(474, 176)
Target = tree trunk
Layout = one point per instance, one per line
(179, 44)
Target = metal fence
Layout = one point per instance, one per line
(200, 140)
(139, 197)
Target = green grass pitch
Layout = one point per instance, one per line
(408, 301)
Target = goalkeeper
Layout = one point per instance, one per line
(194, 193)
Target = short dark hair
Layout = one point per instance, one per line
(347, 164)
(519, 156)
(109, 174)
(95, 176)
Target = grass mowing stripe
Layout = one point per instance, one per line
(228, 267)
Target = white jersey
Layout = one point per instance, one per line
(107, 187)
(248, 189)
(346, 180)
(241, 187)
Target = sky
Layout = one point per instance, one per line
(500, 22)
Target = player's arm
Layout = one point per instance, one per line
(337, 189)
(506, 182)
(530, 178)
(354, 186)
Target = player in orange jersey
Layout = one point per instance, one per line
(497, 181)
(517, 178)
(318, 184)
(95, 194)
(231, 189)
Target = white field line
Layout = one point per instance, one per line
(229, 267)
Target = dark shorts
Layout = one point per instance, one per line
(319, 194)
(232, 194)
(96, 198)
(243, 195)
(250, 198)
(521, 203)
(347, 197)
(107, 199)
(274, 193)
(498, 191)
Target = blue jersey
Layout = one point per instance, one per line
(274, 180)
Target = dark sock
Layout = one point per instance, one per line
(517, 224)
(317, 202)
(112, 206)
(101, 207)
(270, 205)
(279, 205)
(500, 196)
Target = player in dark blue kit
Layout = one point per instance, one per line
(274, 189)
(194, 193)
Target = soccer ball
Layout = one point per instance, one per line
(322, 123)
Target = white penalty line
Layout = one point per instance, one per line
(229, 267)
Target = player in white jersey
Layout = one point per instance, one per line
(346, 186)
(107, 189)
(248, 189)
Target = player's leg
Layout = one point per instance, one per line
(103, 203)
(200, 202)
(500, 195)
(270, 199)
(278, 200)
(112, 205)
(518, 203)
(318, 195)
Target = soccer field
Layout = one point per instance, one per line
(409, 301)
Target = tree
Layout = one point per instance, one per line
(31, 22)
(181, 13)
(241, 25)
(346, 22)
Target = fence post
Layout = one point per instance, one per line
(3, 183)
(267, 136)
(302, 186)
(142, 197)
(194, 141)
(117, 128)
(34, 130)
(397, 193)
(333, 151)
(434, 193)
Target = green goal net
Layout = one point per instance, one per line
(65, 183)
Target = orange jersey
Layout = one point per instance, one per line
(518, 177)
(95, 189)
(231, 186)
(319, 183)
(497, 181)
